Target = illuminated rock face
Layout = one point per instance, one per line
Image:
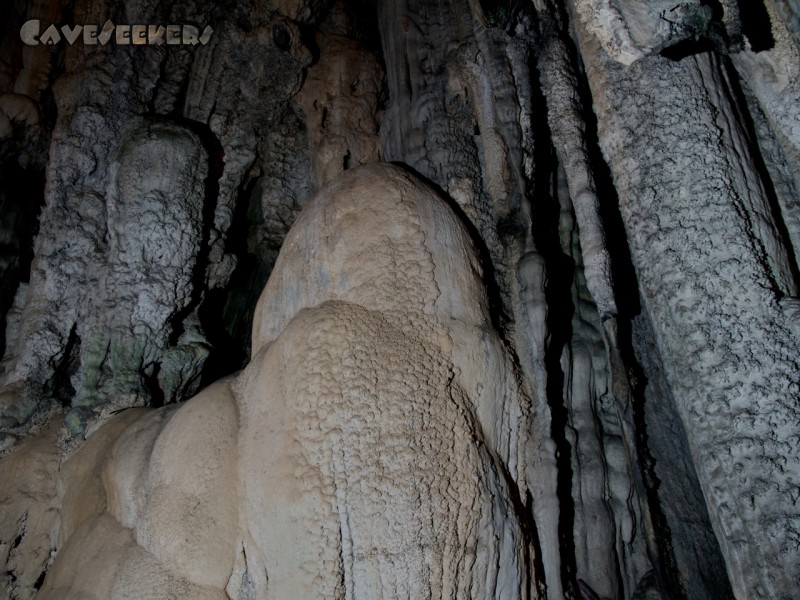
(593, 393)
(353, 457)
(380, 476)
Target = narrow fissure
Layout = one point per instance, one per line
(66, 365)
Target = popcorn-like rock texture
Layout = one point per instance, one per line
(337, 464)
(706, 225)
(550, 353)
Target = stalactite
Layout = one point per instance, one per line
(565, 118)
(550, 353)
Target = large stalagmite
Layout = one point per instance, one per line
(359, 453)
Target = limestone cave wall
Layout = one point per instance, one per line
(400, 298)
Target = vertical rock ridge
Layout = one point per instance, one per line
(549, 353)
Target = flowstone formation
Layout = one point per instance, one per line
(360, 453)
(588, 376)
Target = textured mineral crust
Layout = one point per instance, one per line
(472, 299)
(358, 455)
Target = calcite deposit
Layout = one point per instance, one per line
(410, 298)
(337, 464)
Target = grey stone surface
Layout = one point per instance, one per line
(712, 267)
(627, 174)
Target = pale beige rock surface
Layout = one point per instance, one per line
(29, 506)
(363, 453)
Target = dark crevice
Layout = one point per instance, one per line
(409, 87)
(558, 296)
(308, 39)
(216, 164)
(281, 36)
(667, 570)
(686, 48)
(22, 525)
(181, 95)
(524, 513)
(756, 24)
(560, 269)
(227, 314)
(216, 158)
(21, 200)
(60, 386)
(149, 374)
(623, 274)
(738, 101)
(626, 288)
(37, 585)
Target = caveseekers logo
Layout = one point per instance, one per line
(123, 35)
